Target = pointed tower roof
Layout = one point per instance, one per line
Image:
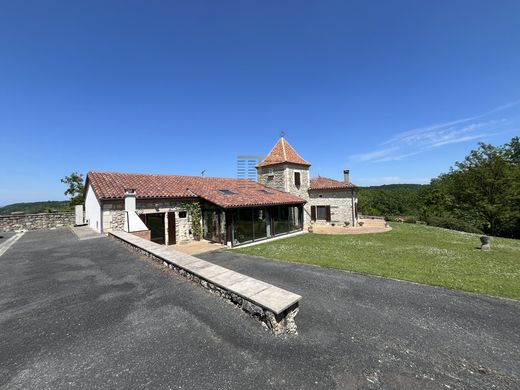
(281, 153)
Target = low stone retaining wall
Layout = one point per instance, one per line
(274, 307)
(11, 223)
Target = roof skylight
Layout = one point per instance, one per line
(227, 192)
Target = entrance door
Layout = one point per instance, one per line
(155, 222)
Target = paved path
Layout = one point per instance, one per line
(90, 314)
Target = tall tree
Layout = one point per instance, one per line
(482, 190)
(75, 188)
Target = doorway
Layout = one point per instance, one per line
(155, 222)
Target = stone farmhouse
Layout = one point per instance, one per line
(233, 211)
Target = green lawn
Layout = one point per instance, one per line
(416, 253)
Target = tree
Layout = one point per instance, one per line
(483, 190)
(75, 188)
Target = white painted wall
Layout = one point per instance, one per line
(133, 223)
(93, 210)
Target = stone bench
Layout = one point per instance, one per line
(275, 307)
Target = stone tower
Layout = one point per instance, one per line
(284, 169)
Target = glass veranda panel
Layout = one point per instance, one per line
(281, 222)
(260, 221)
(295, 218)
(243, 226)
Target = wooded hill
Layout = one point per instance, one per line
(390, 199)
(49, 206)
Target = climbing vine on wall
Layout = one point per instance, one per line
(195, 213)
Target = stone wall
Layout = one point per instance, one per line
(282, 323)
(340, 202)
(111, 213)
(303, 190)
(118, 220)
(272, 177)
(281, 177)
(11, 223)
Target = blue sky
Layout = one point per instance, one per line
(396, 91)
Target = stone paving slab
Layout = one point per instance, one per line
(228, 278)
(212, 271)
(181, 261)
(249, 287)
(261, 293)
(274, 296)
(198, 265)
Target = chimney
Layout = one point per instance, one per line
(346, 176)
(130, 204)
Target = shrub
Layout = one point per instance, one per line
(400, 218)
(409, 219)
(453, 224)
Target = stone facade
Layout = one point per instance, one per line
(111, 214)
(273, 177)
(342, 205)
(114, 215)
(183, 231)
(118, 219)
(11, 223)
(282, 177)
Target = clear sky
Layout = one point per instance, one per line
(396, 91)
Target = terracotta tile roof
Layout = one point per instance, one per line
(324, 183)
(282, 152)
(240, 192)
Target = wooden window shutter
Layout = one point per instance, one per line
(172, 239)
(313, 213)
(297, 181)
(327, 211)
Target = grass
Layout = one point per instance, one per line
(416, 253)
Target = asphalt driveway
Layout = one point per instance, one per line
(90, 314)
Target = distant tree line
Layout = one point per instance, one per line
(479, 194)
(36, 207)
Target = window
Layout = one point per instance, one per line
(228, 192)
(182, 214)
(321, 212)
(297, 179)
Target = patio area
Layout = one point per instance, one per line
(369, 226)
(196, 247)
